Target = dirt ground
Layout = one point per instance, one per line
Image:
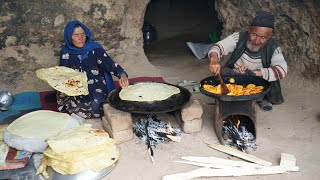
(293, 127)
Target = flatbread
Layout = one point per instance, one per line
(80, 149)
(74, 139)
(148, 91)
(66, 80)
(39, 124)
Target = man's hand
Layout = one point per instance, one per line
(123, 81)
(257, 72)
(241, 69)
(214, 65)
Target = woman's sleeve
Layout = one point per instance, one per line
(63, 60)
(109, 65)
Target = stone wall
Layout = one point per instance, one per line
(297, 28)
(31, 35)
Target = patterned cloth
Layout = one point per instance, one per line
(277, 70)
(93, 60)
(95, 63)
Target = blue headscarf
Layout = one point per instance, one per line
(70, 48)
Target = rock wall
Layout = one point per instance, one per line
(31, 35)
(297, 28)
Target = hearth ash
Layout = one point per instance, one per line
(235, 135)
(154, 131)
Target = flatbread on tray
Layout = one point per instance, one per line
(148, 91)
(66, 80)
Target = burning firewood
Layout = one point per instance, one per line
(236, 134)
(154, 131)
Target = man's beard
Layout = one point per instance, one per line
(253, 48)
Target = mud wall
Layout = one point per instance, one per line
(31, 36)
(297, 28)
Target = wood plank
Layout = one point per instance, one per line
(220, 162)
(234, 171)
(288, 161)
(215, 166)
(239, 154)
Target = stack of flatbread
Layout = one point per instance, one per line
(66, 80)
(31, 131)
(79, 149)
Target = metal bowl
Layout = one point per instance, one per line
(6, 100)
(85, 175)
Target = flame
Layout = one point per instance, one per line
(238, 123)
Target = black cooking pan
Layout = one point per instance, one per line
(240, 80)
(150, 107)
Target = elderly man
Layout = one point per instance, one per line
(254, 52)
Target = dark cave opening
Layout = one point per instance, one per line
(169, 24)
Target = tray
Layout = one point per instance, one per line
(87, 175)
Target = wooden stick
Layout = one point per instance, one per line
(234, 171)
(216, 162)
(174, 138)
(239, 154)
(288, 161)
(215, 166)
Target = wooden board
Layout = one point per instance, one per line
(239, 154)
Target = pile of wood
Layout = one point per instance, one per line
(218, 167)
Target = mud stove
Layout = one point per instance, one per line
(235, 123)
(235, 116)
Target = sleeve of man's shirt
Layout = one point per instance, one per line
(225, 46)
(278, 68)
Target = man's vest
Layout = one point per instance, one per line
(274, 96)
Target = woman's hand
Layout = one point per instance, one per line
(123, 81)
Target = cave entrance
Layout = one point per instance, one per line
(170, 24)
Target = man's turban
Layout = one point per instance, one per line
(263, 19)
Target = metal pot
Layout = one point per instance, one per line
(240, 80)
(6, 100)
(149, 33)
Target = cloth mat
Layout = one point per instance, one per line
(49, 100)
(22, 102)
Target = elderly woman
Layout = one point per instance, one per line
(83, 54)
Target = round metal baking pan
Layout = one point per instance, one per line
(87, 175)
(170, 104)
(240, 80)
